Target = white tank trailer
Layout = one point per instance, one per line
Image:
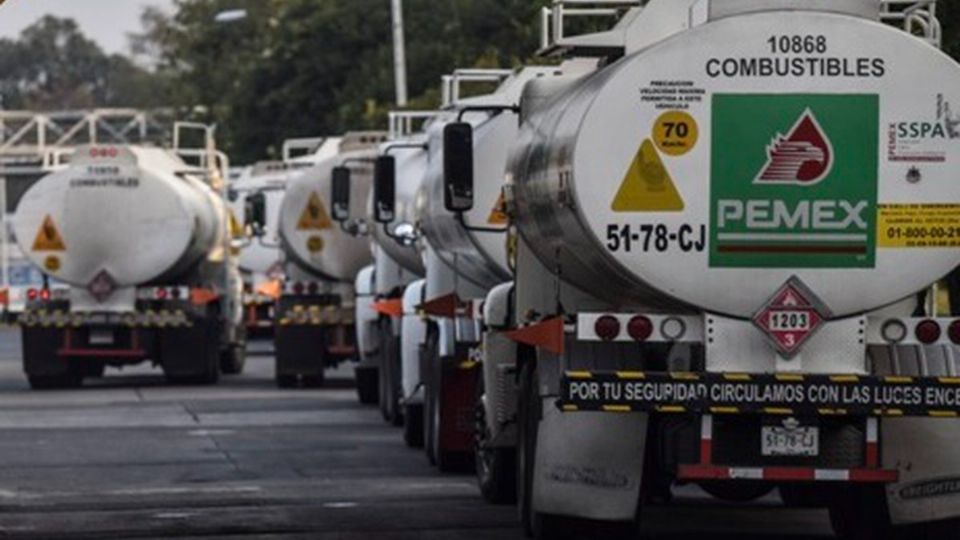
(316, 309)
(143, 240)
(722, 233)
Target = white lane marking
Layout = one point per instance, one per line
(183, 490)
(210, 432)
(174, 515)
(344, 504)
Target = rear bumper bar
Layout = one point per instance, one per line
(764, 394)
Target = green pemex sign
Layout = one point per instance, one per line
(794, 180)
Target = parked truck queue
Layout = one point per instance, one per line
(707, 243)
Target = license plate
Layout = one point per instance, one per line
(101, 337)
(799, 441)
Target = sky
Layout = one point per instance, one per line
(106, 21)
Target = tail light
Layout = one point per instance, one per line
(894, 331)
(32, 294)
(927, 331)
(313, 287)
(640, 328)
(161, 294)
(45, 294)
(175, 293)
(953, 332)
(298, 288)
(607, 327)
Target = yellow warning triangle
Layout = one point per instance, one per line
(648, 186)
(48, 237)
(498, 216)
(314, 216)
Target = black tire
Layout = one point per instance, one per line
(233, 359)
(804, 496)
(59, 382)
(94, 369)
(286, 381)
(313, 381)
(528, 418)
(737, 491)
(428, 359)
(389, 359)
(495, 467)
(413, 425)
(368, 385)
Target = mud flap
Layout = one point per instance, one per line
(190, 351)
(925, 451)
(589, 465)
(457, 402)
(300, 350)
(40, 346)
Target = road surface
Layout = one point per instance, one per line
(130, 457)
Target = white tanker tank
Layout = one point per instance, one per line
(143, 240)
(723, 232)
(315, 312)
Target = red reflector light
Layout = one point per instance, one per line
(953, 332)
(31, 294)
(298, 288)
(607, 327)
(640, 328)
(927, 331)
(161, 294)
(45, 294)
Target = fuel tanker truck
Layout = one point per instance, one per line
(725, 232)
(464, 255)
(397, 264)
(315, 311)
(256, 194)
(144, 241)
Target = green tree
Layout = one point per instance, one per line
(52, 65)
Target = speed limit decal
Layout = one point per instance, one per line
(675, 133)
(918, 225)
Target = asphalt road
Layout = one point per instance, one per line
(130, 457)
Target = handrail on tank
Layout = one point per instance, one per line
(916, 17)
(452, 84)
(553, 18)
(307, 145)
(403, 123)
(33, 133)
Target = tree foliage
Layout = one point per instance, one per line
(309, 67)
(54, 66)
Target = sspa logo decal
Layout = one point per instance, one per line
(803, 157)
(806, 199)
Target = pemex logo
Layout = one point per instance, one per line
(803, 157)
(793, 180)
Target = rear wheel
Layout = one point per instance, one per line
(495, 467)
(368, 385)
(286, 381)
(59, 382)
(528, 417)
(413, 425)
(233, 359)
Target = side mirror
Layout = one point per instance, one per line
(458, 167)
(255, 212)
(340, 206)
(384, 189)
(232, 194)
